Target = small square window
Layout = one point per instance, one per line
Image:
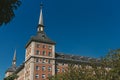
(37, 60)
(37, 67)
(49, 47)
(37, 45)
(49, 61)
(44, 46)
(43, 36)
(58, 70)
(63, 70)
(37, 52)
(43, 76)
(43, 61)
(49, 68)
(43, 68)
(44, 53)
(37, 76)
(49, 54)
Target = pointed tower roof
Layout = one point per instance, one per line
(13, 66)
(41, 15)
(14, 57)
(41, 36)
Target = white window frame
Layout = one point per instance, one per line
(37, 76)
(43, 68)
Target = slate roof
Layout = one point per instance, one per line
(60, 57)
(11, 69)
(67, 57)
(41, 37)
(20, 67)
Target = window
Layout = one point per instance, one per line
(49, 47)
(43, 36)
(44, 53)
(37, 76)
(37, 67)
(58, 70)
(43, 68)
(43, 76)
(63, 64)
(37, 45)
(37, 60)
(49, 61)
(63, 70)
(44, 46)
(49, 68)
(43, 61)
(50, 54)
(37, 52)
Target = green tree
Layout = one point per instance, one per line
(113, 62)
(7, 8)
(11, 77)
(108, 68)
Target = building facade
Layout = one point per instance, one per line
(41, 60)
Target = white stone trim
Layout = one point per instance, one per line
(32, 69)
(53, 65)
(53, 68)
(32, 48)
(53, 50)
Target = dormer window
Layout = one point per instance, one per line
(43, 36)
(37, 45)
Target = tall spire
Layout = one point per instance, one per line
(41, 15)
(41, 24)
(13, 66)
(14, 59)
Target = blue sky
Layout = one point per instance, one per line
(79, 27)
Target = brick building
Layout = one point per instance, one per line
(41, 60)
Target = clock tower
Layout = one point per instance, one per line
(40, 54)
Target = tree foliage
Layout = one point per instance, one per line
(113, 61)
(108, 68)
(11, 77)
(7, 8)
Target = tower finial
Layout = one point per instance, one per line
(41, 5)
(14, 58)
(41, 15)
